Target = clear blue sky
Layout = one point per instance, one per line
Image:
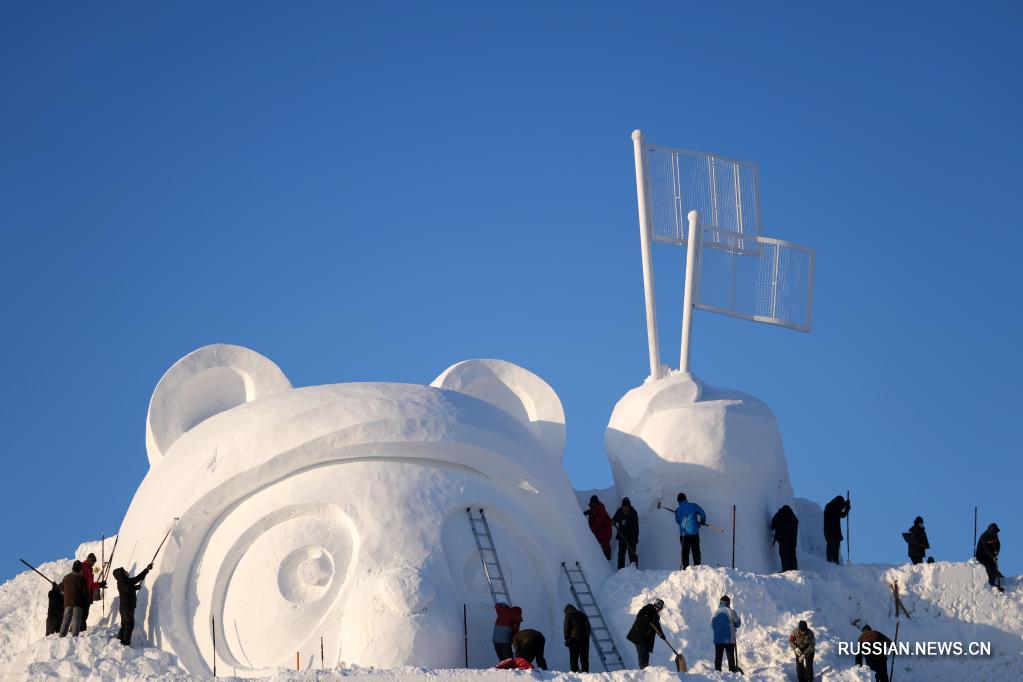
(373, 191)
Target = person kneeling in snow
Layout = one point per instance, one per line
(514, 664)
(802, 641)
(644, 628)
(126, 589)
(724, 623)
(872, 642)
(529, 644)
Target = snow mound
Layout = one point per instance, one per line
(947, 602)
(23, 607)
(94, 655)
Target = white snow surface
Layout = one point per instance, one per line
(947, 602)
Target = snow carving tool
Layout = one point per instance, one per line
(635, 553)
(705, 524)
(680, 660)
(37, 571)
(166, 535)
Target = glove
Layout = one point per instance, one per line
(102, 583)
(149, 567)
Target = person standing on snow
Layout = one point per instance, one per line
(988, 547)
(74, 590)
(127, 587)
(92, 587)
(529, 645)
(626, 520)
(834, 512)
(577, 639)
(917, 540)
(871, 649)
(786, 530)
(509, 618)
(724, 624)
(54, 609)
(689, 517)
(600, 524)
(802, 641)
(646, 626)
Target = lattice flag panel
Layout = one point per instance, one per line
(756, 278)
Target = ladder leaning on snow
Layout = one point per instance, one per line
(488, 555)
(599, 632)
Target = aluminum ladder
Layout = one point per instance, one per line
(586, 601)
(488, 555)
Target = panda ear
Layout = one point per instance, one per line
(206, 382)
(515, 390)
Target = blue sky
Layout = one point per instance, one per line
(373, 191)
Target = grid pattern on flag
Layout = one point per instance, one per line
(756, 278)
(725, 192)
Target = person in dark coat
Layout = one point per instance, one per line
(917, 540)
(127, 587)
(869, 650)
(75, 592)
(834, 512)
(988, 547)
(577, 639)
(646, 626)
(600, 524)
(506, 626)
(802, 642)
(529, 644)
(786, 530)
(626, 521)
(54, 609)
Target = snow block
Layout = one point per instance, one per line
(719, 447)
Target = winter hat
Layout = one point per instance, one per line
(77, 566)
(569, 608)
(626, 502)
(918, 521)
(91, 558)
(593, 499)
(119, 572)
(658, 603)
(994, 528)
(726, 600)
(681, 497)
(866, 628)
(802, 625)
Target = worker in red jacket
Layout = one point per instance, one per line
(600, 524)
(509, 618)
(92, 586)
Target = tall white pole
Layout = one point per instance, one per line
(692, 285)
(645, 221)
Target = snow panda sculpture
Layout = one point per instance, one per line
(718, 446)
(339, 512)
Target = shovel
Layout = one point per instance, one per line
(680, 660)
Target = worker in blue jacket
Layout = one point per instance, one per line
(689, 517)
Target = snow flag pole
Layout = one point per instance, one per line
(692, 283)
(891, 673)
(321, 652)
(645, 227)
(465, 632)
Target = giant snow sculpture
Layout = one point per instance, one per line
(338, 512)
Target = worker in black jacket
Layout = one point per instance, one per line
(127, 587)
(646, 626)
(626, 521)
(834, 512)
(786, 531)
(577, 639)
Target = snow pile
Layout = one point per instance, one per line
(946, 601)
(94, 655)
(720, 447)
